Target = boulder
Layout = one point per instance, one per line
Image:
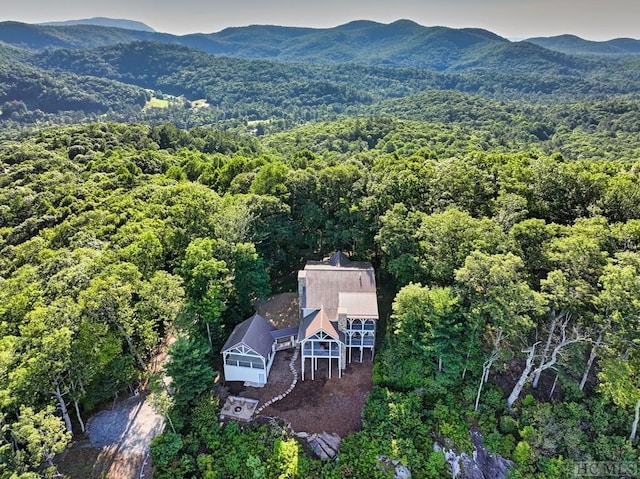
(332, 440)
(482, 464)
(400, 471)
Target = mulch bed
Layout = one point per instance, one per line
(332, 405)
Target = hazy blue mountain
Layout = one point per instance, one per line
(42, 37)
(521, 57)
(399, 44)
(104, 22)
(272, 33)
(403, 43)
(576, 45)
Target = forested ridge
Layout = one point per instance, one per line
(500, 209)
(68, 74)
(400, 43)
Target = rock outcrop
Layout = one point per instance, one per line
(400, 471)
(481, 465)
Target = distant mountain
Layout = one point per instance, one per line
(263, 71)
(507, 70)
(402, 43)
(115, 80)
(104, 22)
(41, 37)
(575, 45)
(521, 57)
(399, 44)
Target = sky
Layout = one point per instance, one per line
(514, 19)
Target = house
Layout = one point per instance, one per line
(338, 316)
(339, 311)
(248, 353)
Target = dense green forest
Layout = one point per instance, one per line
(498, 198)
(114, 234)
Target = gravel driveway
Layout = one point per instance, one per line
(129, 426)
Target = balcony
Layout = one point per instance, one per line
(366, 341)
(321, 352)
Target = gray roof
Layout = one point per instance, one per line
(254, 333)
(338, 260)
(325, 280)
(283, 333)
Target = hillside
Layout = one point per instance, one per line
(118, 80)
(42, 37)
(572, 44)
(352, 69)
(399, 44)
(28, 92)
(104, 22)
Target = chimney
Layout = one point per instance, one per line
(342, 326)
(302, 285)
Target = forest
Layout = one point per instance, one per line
(503, 217)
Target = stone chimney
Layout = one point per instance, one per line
(342, 326)
(302, 285)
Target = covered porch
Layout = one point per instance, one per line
(321, 346)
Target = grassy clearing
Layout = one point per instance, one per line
(157, 103)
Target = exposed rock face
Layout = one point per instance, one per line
(400, 471)
(483, 464)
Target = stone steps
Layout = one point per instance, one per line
(279, 397)
(324, 445)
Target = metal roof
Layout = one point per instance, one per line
(359, 305)
(254, 333)
(325, 280)
(283, 333)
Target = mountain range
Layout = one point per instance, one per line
(263, 71)
(401, 43)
